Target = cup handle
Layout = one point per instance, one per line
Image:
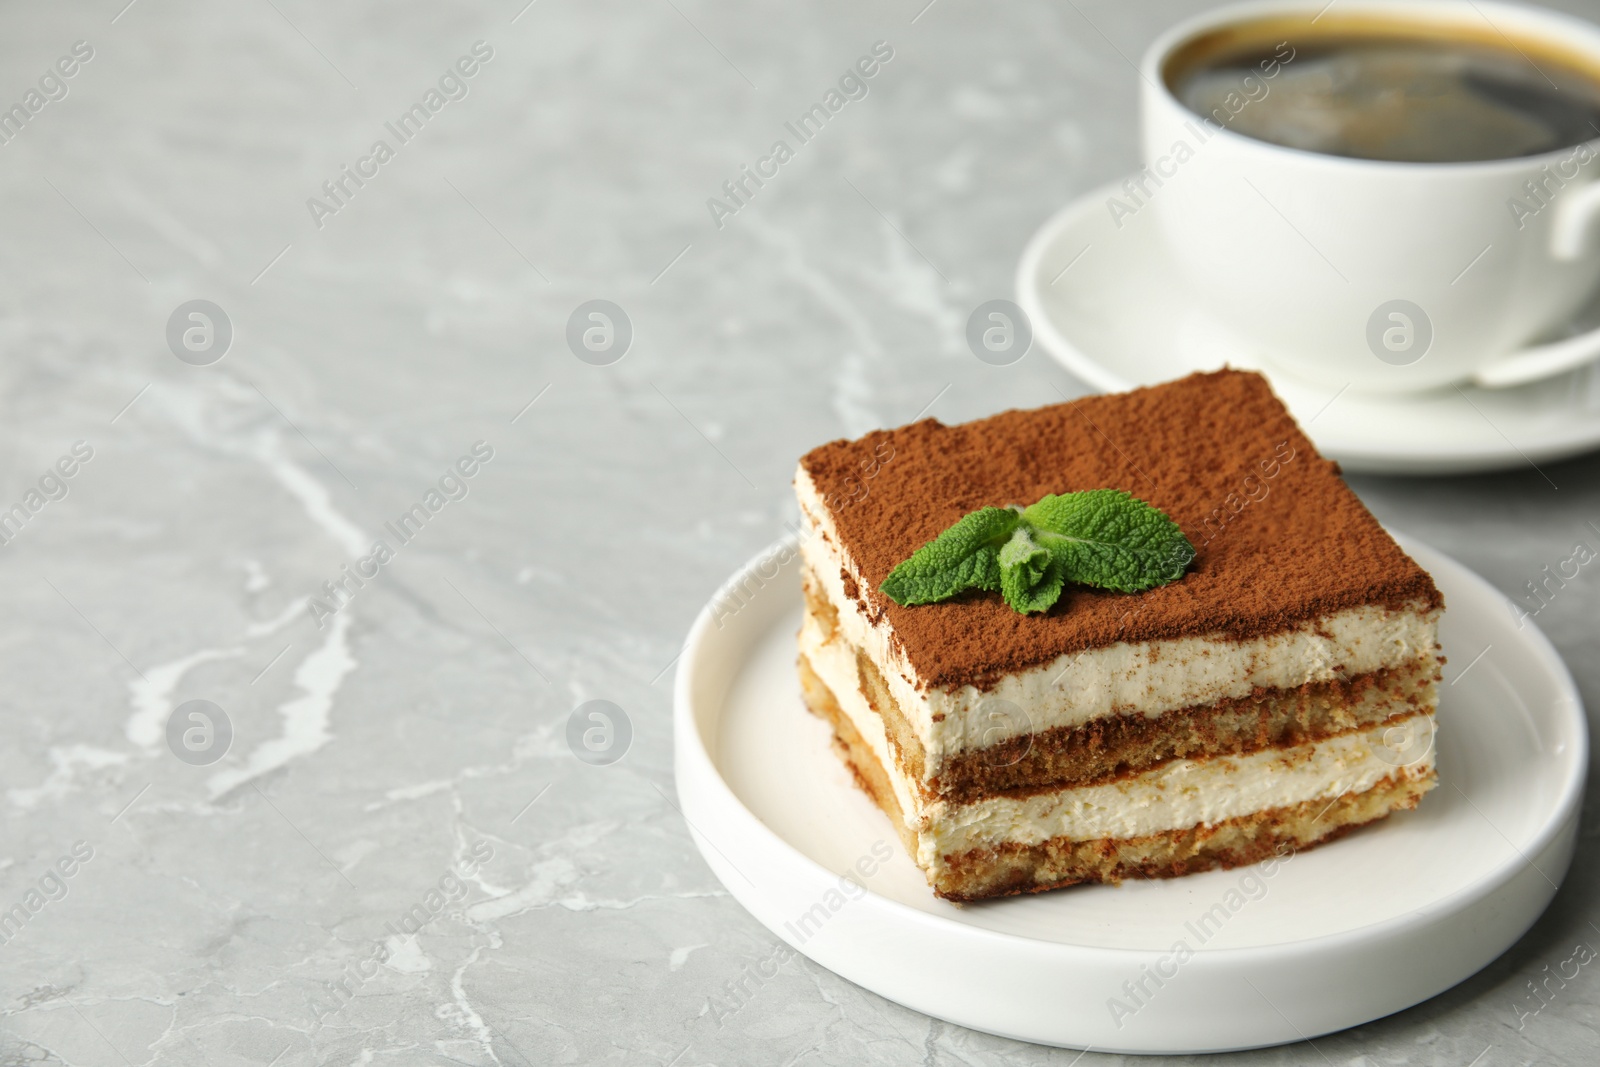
(1569, 236)
(1540, 361)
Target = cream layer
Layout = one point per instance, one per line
(1127, 678)
(1174, 796)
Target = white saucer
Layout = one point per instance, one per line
(1108, 305)
(1334, 938)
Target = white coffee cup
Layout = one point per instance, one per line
(1377, 275)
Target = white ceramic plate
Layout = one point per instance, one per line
(1338, 936)
(1108, 305)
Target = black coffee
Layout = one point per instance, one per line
(1413, 99)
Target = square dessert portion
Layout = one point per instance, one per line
(1277, 695)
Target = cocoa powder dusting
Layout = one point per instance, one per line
(1280, 539)
(851, 589)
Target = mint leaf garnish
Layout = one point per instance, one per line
(966, 556)
(1030, 579)
(1110, 539)
(1102, 537)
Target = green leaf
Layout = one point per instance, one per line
(1110, 539)
(965, 556)
(1101, 537)
(1030, 578)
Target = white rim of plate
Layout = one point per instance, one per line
(692, 759)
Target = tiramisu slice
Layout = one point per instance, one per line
(1277, 694)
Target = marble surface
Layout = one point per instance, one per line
(404, 759)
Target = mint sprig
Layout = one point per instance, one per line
(1101, 537)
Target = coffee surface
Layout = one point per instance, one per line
(1422, 100)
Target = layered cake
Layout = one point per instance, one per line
(1273, 692)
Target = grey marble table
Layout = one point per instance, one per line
(398, 754)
